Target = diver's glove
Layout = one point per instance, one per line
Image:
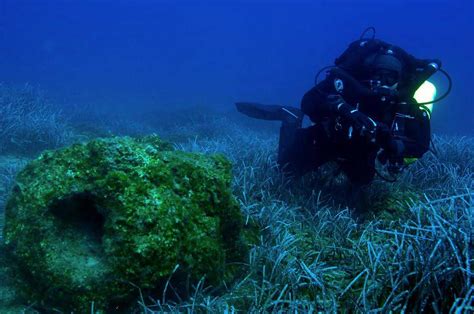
(359, 121)
(394, 165)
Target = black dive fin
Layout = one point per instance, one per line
(269, 112)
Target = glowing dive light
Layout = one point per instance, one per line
(426, 93)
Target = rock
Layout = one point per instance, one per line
(96, 221)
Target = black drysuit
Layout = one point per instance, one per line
(330, 137)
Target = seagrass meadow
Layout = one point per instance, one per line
(134, 180)
(402, 247)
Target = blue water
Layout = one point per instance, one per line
(139, 54)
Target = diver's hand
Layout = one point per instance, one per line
(359, 121)
(394, 164)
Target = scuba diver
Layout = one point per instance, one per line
(374, 104)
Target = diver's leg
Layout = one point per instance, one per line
(302, 150)
(286, 141)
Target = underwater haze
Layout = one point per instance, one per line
(130, 183)
(141, 55)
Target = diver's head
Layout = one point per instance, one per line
(384, 69)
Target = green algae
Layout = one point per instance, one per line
(96, 221)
